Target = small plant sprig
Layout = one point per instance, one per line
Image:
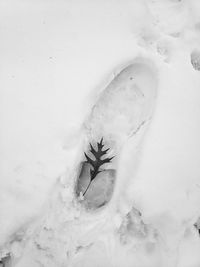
(97, 162)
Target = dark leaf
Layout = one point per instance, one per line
(97, 162)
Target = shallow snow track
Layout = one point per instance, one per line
(123, 108)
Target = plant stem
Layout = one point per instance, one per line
(87, 188)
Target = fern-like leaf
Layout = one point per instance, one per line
(97, 162)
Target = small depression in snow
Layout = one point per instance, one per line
(195, 59)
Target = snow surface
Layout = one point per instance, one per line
(58, 56)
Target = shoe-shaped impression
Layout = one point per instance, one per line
(122, 109)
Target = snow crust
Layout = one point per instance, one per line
(58, 57)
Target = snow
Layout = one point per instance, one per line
(58, 57)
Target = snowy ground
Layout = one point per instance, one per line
(57, 57)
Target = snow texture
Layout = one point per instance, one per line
(195, 59)
(61, 90)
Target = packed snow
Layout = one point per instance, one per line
(61, 91)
